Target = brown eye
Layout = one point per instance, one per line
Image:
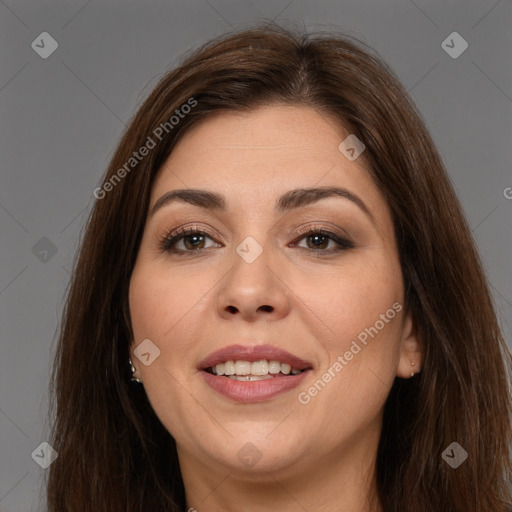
(319, 240)
(186, 240)
(192, 242)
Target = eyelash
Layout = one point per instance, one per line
(168, 241)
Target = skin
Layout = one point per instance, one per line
(318, 456)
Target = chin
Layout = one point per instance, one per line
(260, 453)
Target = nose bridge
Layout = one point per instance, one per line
(252, 287)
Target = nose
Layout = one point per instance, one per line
(253, 291)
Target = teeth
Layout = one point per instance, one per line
(243, 367)
(247, 370)
(274, 367)
(259, 368)
(229, 368)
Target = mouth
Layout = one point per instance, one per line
(253, 373)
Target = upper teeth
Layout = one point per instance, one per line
(263, 367)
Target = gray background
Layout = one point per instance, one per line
(61, 117)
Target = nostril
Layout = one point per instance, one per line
(233, 309)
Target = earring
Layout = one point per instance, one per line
(412, 364)
(135, 379)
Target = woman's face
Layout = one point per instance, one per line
(270, 271)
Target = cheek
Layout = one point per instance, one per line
(362, 312)
(359, 368)
(360, 308)
(169, 307)
(160, 299)
(352, 299)
(166, 307)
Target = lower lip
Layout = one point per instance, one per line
(253, 391)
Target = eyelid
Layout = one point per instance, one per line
(320, 227)
(191, 228)
(326, 228)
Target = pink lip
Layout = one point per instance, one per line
(255, 391)
(251, 354)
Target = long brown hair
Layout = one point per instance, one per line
(115, 455)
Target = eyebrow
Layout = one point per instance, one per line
(290, 200)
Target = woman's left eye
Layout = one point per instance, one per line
(319, 240)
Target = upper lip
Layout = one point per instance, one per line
(253, 353)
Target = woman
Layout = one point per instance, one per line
(277, 303)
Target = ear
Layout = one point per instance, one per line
(411, 351)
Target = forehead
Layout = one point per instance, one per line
(259, 155)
